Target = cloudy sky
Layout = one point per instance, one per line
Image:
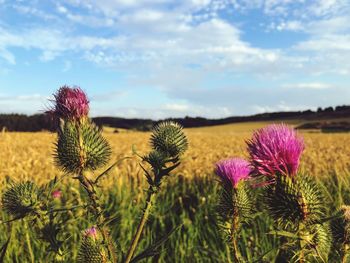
(161, 58)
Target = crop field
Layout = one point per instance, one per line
(187, 200)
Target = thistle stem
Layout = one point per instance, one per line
(345, 254)
(234, 231)
(97, 210)
(146, 213)
(29, 245)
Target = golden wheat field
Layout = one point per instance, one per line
(30, 155)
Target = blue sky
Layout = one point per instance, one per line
(172, 58)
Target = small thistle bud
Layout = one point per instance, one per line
(91, 232)
(341, 226)
(155, 159)
(81, 147)
(168, 138)
(275, 150)
(21, 199)
(91, 249)
(57, 194)
(70, 104)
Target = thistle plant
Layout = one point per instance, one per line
(81, 147)
(168, 143)
(294, 201)
(80, 150)
(235, 206)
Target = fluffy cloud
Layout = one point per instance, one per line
(192, 51)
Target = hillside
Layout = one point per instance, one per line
(329, 118)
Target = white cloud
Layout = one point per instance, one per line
(177, 107)
(178, 46)
(8, 56)
(309, 85)
(290, 25)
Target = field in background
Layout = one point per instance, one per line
(29, 155)
(188, 198)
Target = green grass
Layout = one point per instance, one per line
(188, 203)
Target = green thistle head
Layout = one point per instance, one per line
(21, 199)
(156, 159)
(169, 139)
(341, 226)
(235, 207)
(91, 248)
(291, 201)
(81, 146)
(320, 243)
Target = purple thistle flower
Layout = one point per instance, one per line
(56, 194)
(233, 170)
(275, 149)
(70, 103)
(91, 232)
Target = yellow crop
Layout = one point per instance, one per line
(30, 155)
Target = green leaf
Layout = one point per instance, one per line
(284, 234)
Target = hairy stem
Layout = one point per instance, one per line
(234, 234)
(97, 211)
(345, 253)
(29, 245)
(146, 213)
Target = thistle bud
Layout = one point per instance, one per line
(169, 139)
(91, 248)
(21, 199)
(155, 159)
(341, 226)
(81, 147)
(295, 201)
(57, 194)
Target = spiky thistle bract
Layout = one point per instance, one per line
(341, 226)
(21, 199)
(294, 200)
(91, 249)
(81, 147)
(169, 139)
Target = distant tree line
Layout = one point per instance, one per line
(39, 122)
